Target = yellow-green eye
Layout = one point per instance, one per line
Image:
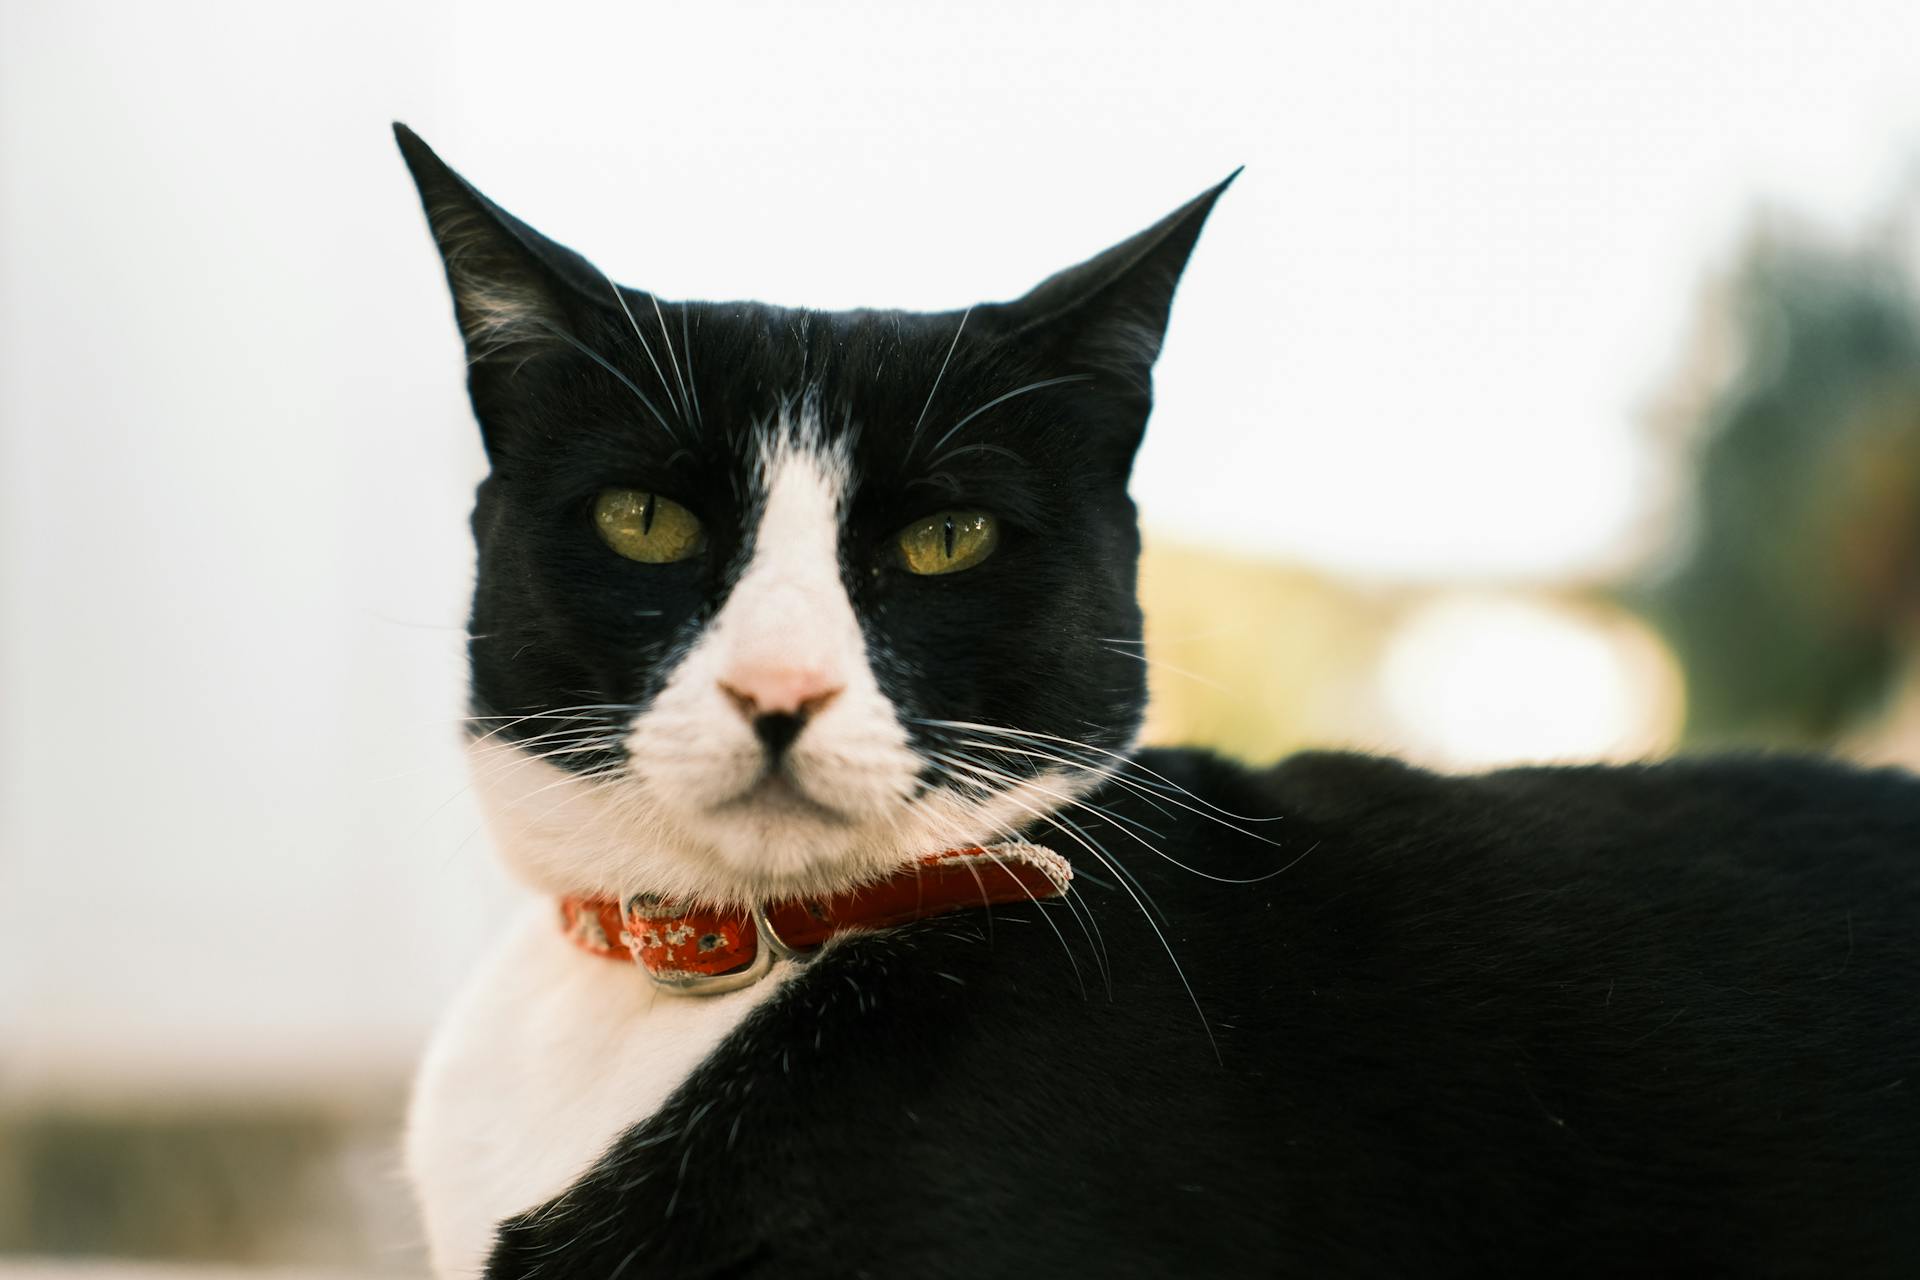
(948, 541)
(647, 527)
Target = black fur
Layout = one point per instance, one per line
(1656, 1020)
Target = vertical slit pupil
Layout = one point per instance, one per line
(646, 516)
(949, 537)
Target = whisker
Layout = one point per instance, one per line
(1137, 788)
(558, 713)
(1107, 860)
(666, 340)
(644, 346)
(933, 390)
(999, 400)
(977, 447)
(1178, 969)
(1129, 761)
(549, 745)
(510, 755)
(1157, 664)
(1089, 926)
(625, 381)
(1111, 817)
(987, 791)
(1117, 818)
(1060, 819)
(686, 345)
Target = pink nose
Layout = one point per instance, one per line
(779, 691)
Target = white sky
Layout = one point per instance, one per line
(234, 461)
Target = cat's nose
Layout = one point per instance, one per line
(778, 701)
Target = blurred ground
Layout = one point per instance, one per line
(71, 1269)
(286, 1186)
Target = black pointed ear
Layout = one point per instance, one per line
(1108, 316)
(513, 289)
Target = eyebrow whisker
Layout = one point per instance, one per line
(1017, 391)
(931, 391)
(644, 346)
(666, 340)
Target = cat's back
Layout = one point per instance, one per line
(1655, 1012)
(1728, 845)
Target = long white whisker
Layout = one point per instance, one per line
(1178, 969)
(686, 345)
(1080, 981)
(1160, 665)
(1103, 774)
(934, 389)
(1127, 760)
(1110, 817)
(998, 400)
(564, 743)
(510, 758)
(1113, 864)
(625, 381)
(666, 340)
(648, 349)
(1107, 860)
(1132, 786)
(558, 713)
(1098, 948)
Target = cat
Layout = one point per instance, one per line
(781, 611)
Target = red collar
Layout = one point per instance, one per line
(703, 952)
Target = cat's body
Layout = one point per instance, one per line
(1535, 1022)
(1338, 1017)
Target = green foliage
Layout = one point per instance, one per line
(1787, 600)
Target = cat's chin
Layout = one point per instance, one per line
(778, 840)
(777, 799)
(564, 833)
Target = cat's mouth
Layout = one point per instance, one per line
(776, 794)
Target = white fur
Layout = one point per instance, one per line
(551, 1053)
(547, 1056)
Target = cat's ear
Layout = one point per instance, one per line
(1109, 314)
(514, 290)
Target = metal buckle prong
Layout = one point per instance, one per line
(770, 937)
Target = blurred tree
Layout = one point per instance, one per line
(1789, 595)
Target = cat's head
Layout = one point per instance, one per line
(771, 601)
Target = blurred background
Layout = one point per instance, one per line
(1547, 389)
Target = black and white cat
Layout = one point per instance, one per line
(774, 604)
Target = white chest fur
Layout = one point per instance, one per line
(547, 1056)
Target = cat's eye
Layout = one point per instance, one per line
(647, 527)
(948, 541)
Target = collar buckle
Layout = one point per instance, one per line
(770, 939)
(709, 984)
(769, 946)
(681, 953)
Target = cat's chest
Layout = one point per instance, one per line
(548, 1056)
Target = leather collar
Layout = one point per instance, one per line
(699, 951)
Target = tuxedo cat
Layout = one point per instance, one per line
(868, 943)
